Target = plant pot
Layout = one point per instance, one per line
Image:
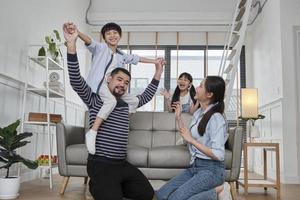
(9, 187)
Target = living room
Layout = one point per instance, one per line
(187, 34)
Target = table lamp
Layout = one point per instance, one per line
(249, 110)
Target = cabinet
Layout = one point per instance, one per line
(45, 65)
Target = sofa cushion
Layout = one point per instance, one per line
(169, 157)
(76, 154)
(228, 159)
(163, 138)
(138, 156)
(141, 121)
(164, 121)
(140, 138)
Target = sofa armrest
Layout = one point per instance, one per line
(67, 135)
(237, 144)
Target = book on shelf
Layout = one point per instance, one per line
(42, 117)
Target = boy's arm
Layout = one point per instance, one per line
(147, 60)
(86, 39)
(90, 44)
(134, 59)
(150, 91)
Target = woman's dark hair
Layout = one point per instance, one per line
(111, 26)
(215, 85)
(176, 95)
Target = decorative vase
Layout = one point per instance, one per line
(9, 187)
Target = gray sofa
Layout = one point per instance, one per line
(153, 146)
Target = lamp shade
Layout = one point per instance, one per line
(249, 103)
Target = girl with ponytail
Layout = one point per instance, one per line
(184, 93)
(206, 138)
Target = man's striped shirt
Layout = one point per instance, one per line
(112, 137)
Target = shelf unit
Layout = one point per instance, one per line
(47, 64)
(265, 182)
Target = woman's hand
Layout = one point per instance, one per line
(177, 107)
(186, 135)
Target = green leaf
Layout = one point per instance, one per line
(21, 136)
(29, 163)
(13, 127)
(48, 39)
(52, 47)
(10, 140)
(18, 145)
(57, 35)
(42, 52)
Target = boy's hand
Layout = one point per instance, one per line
(160, 60)
(70, 27)
(70, 32)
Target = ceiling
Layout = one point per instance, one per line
(162, 12)
(163, 6)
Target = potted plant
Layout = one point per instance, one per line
(53, 49)
(10, 140)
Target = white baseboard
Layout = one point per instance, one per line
(290, 179)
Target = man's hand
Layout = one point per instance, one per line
(159, 68)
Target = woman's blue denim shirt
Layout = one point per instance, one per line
(214, 137)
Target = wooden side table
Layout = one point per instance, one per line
(265, 183)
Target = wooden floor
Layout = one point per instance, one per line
(76, 190)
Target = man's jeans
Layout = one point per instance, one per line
(195, 183)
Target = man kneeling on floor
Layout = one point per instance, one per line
(111, 176)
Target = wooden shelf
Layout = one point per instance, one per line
(39, 123)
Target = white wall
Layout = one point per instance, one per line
(270, 58)
(290, 17)
(23, 23)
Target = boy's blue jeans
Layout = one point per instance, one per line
(195, 183)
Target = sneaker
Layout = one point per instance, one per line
(225, 194)
(90, 141)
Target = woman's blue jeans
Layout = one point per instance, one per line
(195, 183)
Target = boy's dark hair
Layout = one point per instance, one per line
(120, 69)
(111, 26)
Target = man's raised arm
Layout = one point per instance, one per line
(77, 81)
(151, 89)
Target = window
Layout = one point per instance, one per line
(141, 76)
(191, 59)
